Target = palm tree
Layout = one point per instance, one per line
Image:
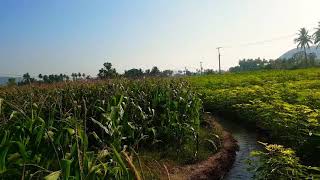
(26, 78)
(303, 40)
(316, 36)
(65, 77)
(73, 75)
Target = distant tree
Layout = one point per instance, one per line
(107, 71)
(304, 41)
(26, 79)
(147, 72)
(235, 69)
(155, 71)
(83, 75)
(133, 73)
(312, 59)
(51, 78)
(316, 36)
(250, 65)
(45, 79)
(167, 72)
(298, 59)
(187, 72)
(74, 76)
(66, 77)
(11, 82)
(209, 71)
(61, 77)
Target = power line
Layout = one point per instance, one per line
(261, 42)
(265, 41)
(251, 44)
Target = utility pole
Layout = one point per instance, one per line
(219, 59)
(201, 68)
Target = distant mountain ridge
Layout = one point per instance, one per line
(289, 54)
(4, 80)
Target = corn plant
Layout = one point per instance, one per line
(86, 130)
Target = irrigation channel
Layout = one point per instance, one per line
(247, 141)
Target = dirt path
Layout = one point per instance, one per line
(247, 140)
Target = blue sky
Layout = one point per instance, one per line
(40, 36)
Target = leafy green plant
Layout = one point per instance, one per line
(278, 162)
(282, 103)
(85, 130)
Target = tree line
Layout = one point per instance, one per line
(302, 59)
(297, 61)
(106, 72)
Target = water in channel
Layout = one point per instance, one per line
(247, 141)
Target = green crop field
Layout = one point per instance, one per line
(283, 104)
(91, 130)
(106, 129)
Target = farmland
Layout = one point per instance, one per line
(89, 130)
(115, 128)
(284, 105)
